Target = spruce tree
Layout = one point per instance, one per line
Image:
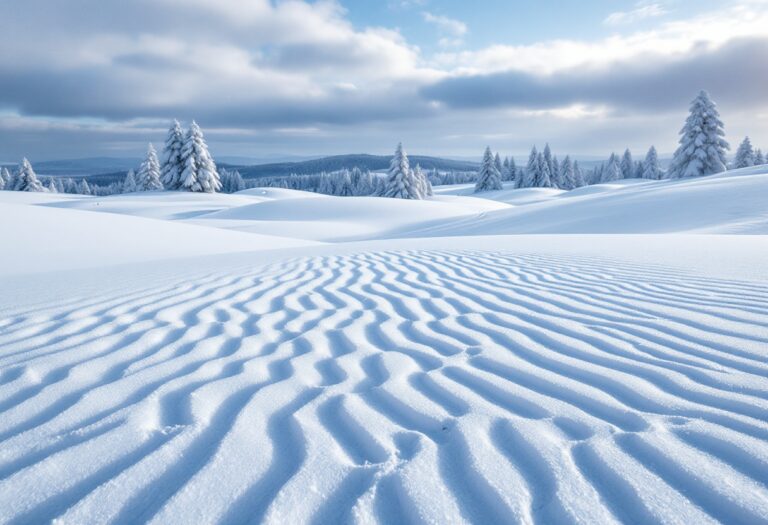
(148, 177)
(511, 170)
(627, 166)
(548, 159)
(702, 147)
(83, 187)
(489, 177)
(497, 163)
(745, 155)
(199, 173)
(425, 186)
(173, 163)
(129, 183)
(554, 175)
(51, 186)
(612, 171)
(759, 159)
(567, 176)
(578, 175)
(529, 176)
(651, 168)
(401, 184)
(543, 177)
(5, 178)
(26, 179)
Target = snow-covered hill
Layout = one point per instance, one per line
(223, 367)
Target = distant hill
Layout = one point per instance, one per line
(79, 168)
(85, 167)
(337, 162)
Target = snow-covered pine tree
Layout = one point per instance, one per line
(344, 186)
(548, 158)
(489, 177)
(529, 176)
(651, 168)
(400, 182)
(425, 186)
(511, 173)
(759, 159)
(567, 176)
(627, 166)
(554, 177)
(129, 183)
(26, 179)
(51, 186)
(543, 178)
(173, 163)
(10, 179)
(497, 163)
(83, 187)
(702, 147)
(4, 178)
(231, 181)
(578, 175)
(148, 177)
(612, 171)
(199, 173)
(745, 155)
(638, 170)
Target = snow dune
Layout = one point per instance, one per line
(223, 367)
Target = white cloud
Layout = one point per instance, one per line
(671, 39)
(445, 24)
(641, 11)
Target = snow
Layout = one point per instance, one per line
(522, 356)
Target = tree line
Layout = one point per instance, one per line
(187, 165)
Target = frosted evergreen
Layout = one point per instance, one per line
(612, 171)
(528, 177)
(148, 177)
(578, 175)
(199, 173)
(401, 184)
(651, 168)
(173, 164)
(627, 166)
(26, 179)
(567, 175)
(543, 177)
(548, 159)
(489, 177)
(702, 147)
(425, 186)
(129, 183)
(745, 155)
(83, 187)
(759, 159)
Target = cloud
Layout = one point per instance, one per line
(734, 73)
(447, 25)
(642, 11)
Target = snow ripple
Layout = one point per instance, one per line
(398, 387)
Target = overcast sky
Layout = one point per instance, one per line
(82, 78)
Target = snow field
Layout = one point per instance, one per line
(392, 386)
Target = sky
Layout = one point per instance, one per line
(265, 79)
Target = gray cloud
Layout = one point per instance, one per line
(735, 73)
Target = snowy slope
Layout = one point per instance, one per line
(204, 375)
(730, 203)
(47, 238)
